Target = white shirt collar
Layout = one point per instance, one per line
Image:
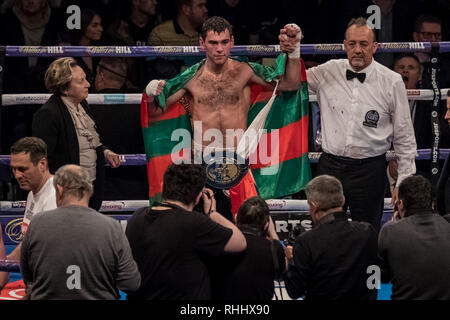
(367, 70)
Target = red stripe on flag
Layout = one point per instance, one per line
(173, 111)
(291, 143)
(259, 93)
(157, 166)
(150, 113)
(144, 113)
(303, 72)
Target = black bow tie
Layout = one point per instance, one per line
(361, 76)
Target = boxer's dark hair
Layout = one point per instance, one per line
(216, 24)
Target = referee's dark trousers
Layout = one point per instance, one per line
(363, 181)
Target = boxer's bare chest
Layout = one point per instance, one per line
(218, 90)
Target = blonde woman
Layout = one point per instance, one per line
(65, 122)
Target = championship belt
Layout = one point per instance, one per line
(224, 169)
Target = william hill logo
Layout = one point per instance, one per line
(416, 45)
(190, 49)
(55, 50)
(123, 50)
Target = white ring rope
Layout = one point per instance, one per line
(135, 98)
(133, 205)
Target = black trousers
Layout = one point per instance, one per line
(363, 181)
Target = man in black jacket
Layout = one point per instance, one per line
(250, 275)
(331, 261)
(170, 240)
(413, 250)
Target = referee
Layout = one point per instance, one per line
(364, 111)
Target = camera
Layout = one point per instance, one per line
(200, 205)
(293, 234)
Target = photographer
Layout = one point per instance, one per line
(250, 275)
(170, 241)
(330, 261)
(416, 244)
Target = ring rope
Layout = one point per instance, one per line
(177, 51)
(140, 159)
(133, 205)
(9, 266)
(135, 98)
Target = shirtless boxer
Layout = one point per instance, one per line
(219, 93)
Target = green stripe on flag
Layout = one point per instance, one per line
(283, 179)
(158, 136)
(283, 112)
(156, 198)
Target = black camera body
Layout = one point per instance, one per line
(293, 234)
(199, 207)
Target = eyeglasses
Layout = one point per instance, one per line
(429, 35)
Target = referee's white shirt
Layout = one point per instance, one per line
(349, 110)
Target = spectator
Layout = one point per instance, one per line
(66, 123)
(429, 28)
(183, 30)
(395, 25)
(250, 275)
(110, 10)
(90, 261)
(330, 261)
(409, 67)
(90, 34)
(120, 129)
(133, 29)
(111, 75)
(237, 12)
(30, 167)
(411, 249)
(170, 241)
(27, 23)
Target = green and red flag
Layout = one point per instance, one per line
(280, 165)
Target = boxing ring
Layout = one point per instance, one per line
(286, 213)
